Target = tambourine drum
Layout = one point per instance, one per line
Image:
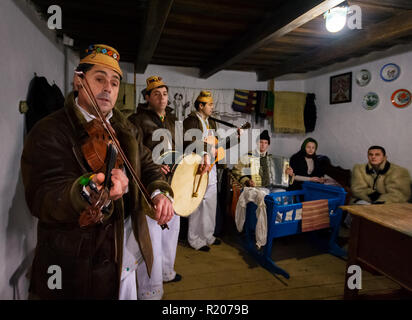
(184, 181)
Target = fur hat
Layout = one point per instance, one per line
(265, 136)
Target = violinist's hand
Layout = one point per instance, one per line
(240, 132)
(165, 169)
(119, 183)
(205, 165)
(164, 209)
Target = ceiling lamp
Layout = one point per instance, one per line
(336, 18)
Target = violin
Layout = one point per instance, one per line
(103, 152)
(96, 146)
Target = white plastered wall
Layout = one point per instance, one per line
(345, 131)
(27, 47)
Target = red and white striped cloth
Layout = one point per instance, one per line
(315, 215)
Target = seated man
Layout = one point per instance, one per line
(380, 181)
(258, 168)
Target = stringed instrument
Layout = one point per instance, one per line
(220, 150)
(101, 136)
(213, 140)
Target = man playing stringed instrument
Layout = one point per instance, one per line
(94, 248)
(203, 220)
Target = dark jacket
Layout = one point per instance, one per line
(90, 258)
(149, 121)
(193, 122)
(42, 99)
(300, 168)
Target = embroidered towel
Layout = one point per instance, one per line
(288, 112)
(315, 215)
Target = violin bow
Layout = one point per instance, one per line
(108, 128)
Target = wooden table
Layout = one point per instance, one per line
(381, 239)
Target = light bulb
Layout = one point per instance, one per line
(336, 19)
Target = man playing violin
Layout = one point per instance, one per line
(156, 115)
(94, 255)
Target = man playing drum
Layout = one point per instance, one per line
(150, 117)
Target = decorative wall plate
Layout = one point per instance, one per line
(401, 98)
(390, 72)
(363, 77)
(370, 101)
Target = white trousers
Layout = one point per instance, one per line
(203, 220)
(164, 244)
(132, 257)
(128, 287)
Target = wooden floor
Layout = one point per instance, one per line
(227, 272)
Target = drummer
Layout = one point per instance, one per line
(149, 117)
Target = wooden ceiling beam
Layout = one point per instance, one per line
(187, 21)
(288, 17)
(400, 4)
(180, 44)
(396, 27)
(157, 13)
(215, 9)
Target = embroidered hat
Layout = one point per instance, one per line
(154, 82)
(103, 55)
(205, 96)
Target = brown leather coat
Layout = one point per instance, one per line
(90, 258)
(149, 122)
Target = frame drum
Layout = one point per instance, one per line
(184, 181)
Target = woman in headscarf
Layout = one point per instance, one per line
(306, 165)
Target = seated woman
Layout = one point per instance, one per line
(306, 165)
